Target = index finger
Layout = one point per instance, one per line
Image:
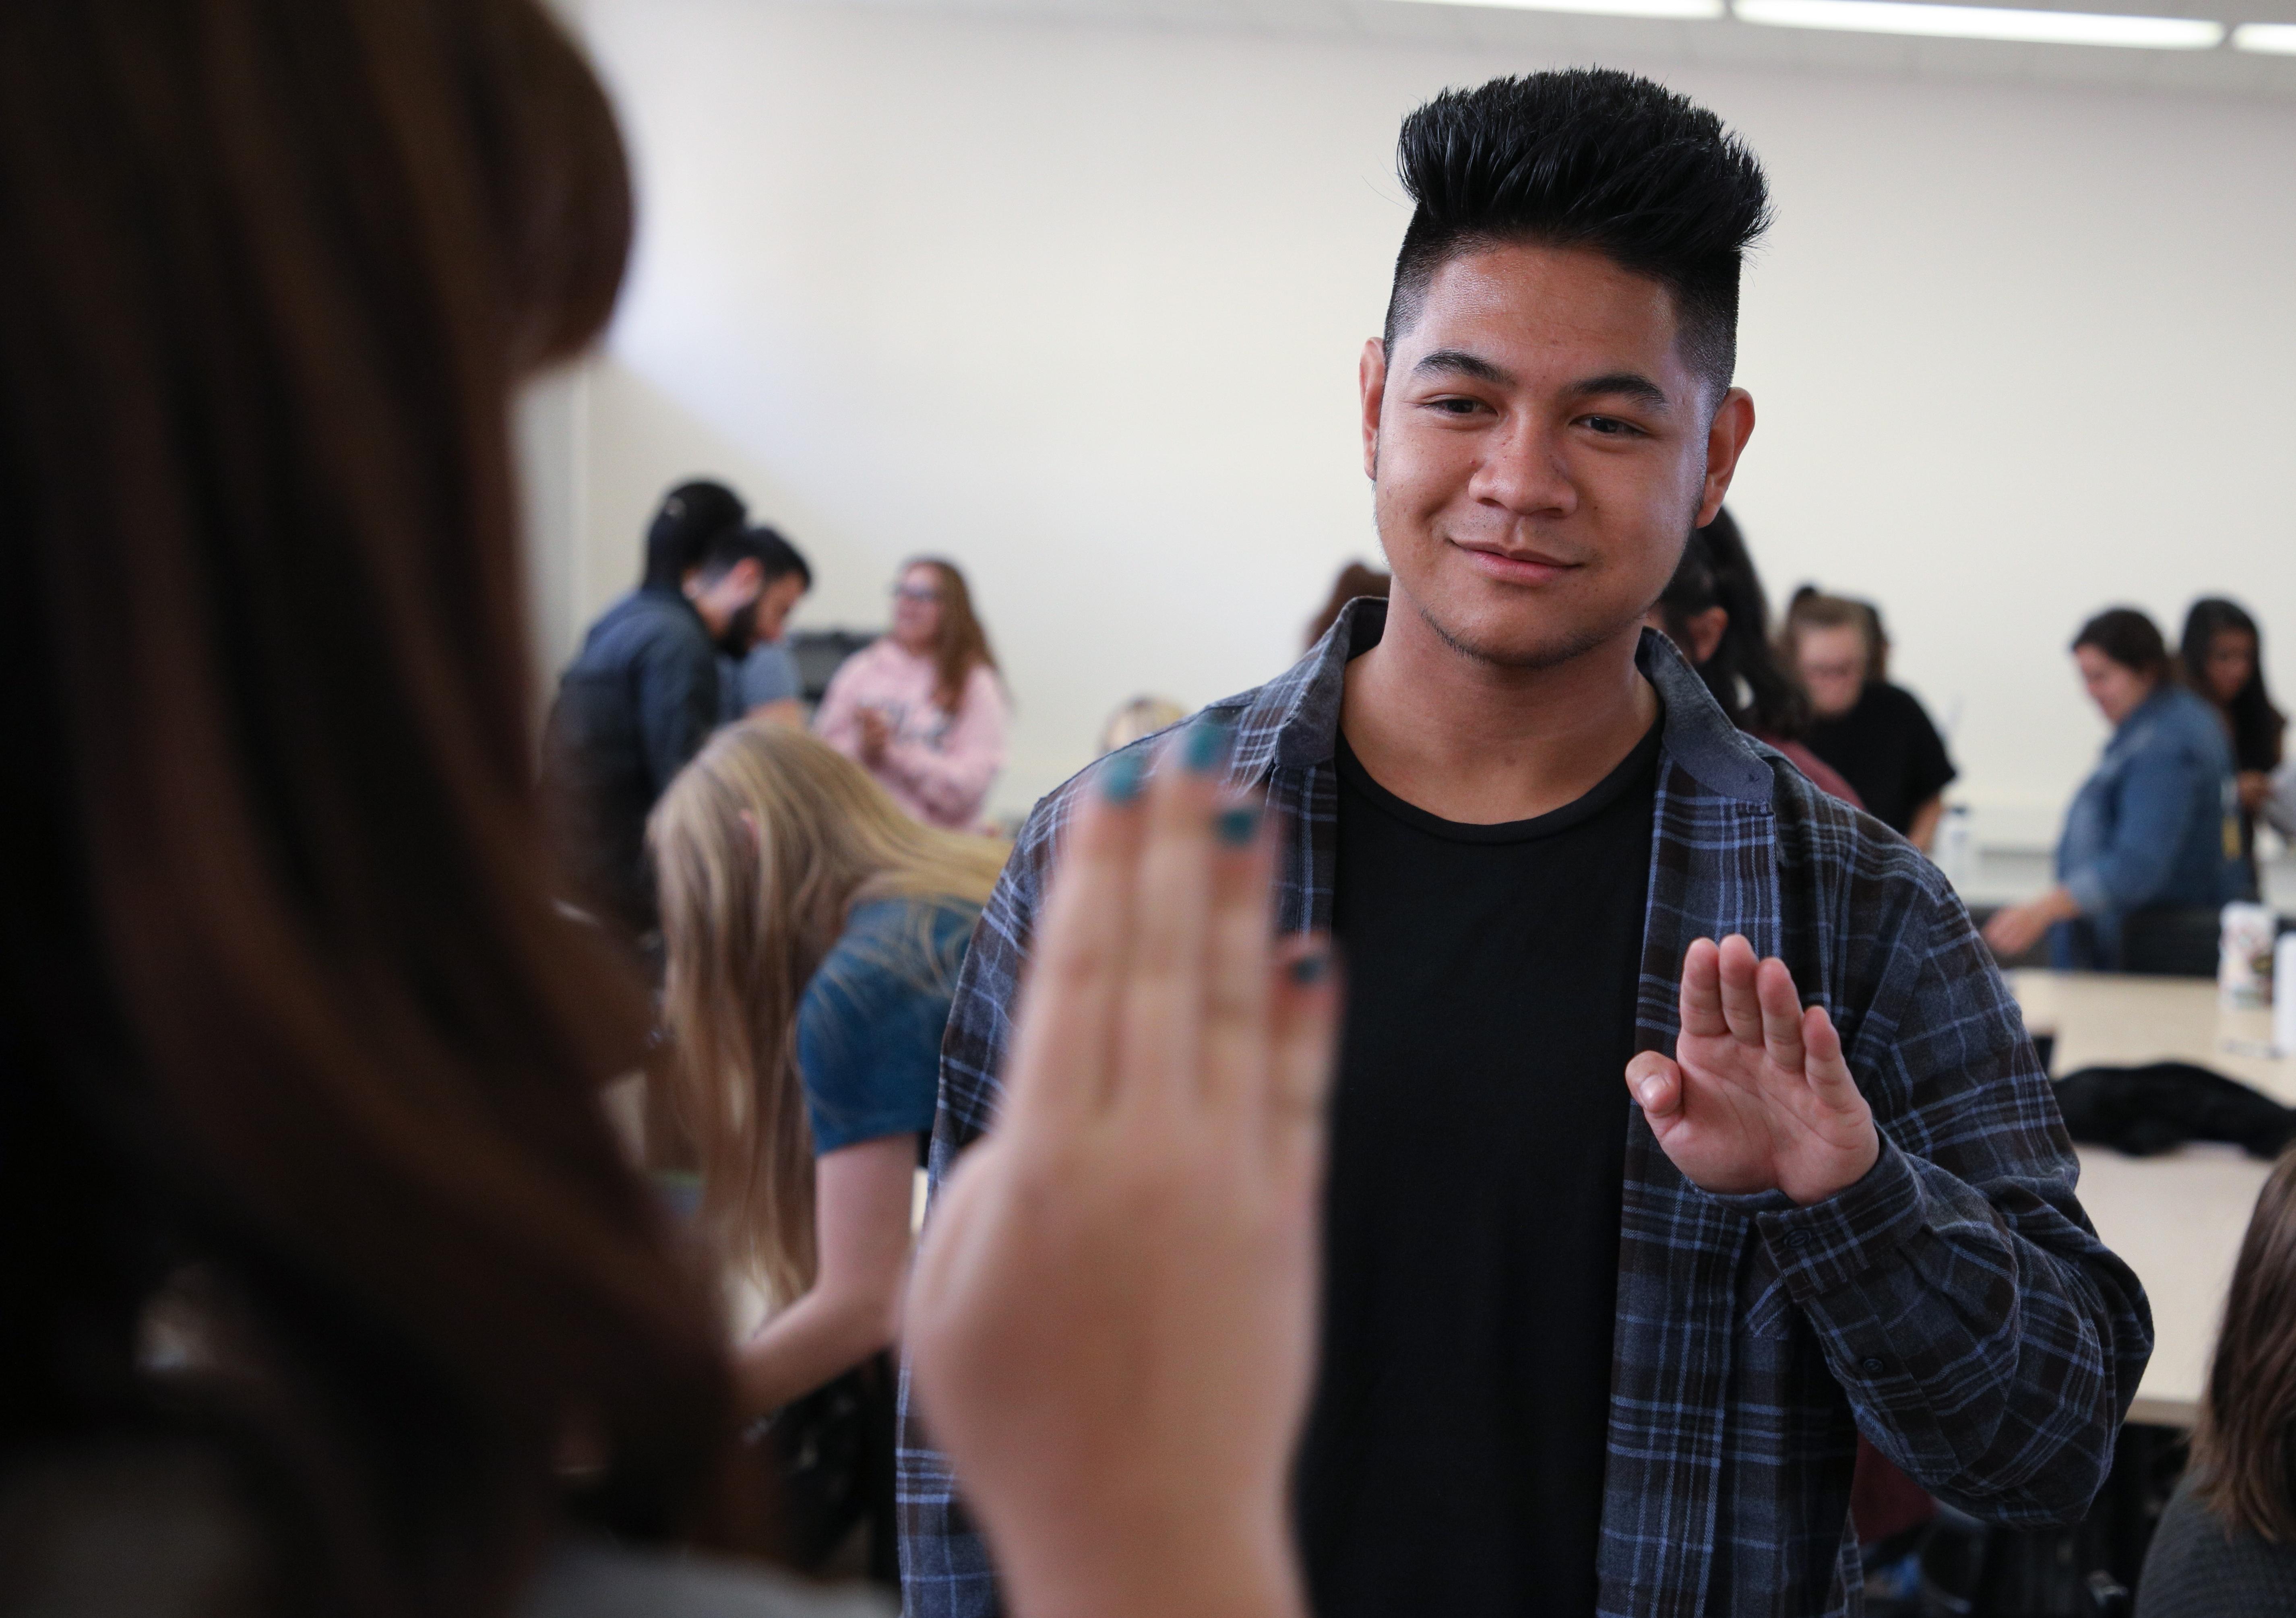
(1701, 990)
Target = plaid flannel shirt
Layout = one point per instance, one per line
(1955, 1304)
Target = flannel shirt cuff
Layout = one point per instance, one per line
(1828, 1244)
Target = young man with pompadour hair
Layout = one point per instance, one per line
(1683, 1128)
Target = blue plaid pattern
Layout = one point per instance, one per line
(1954, 1306)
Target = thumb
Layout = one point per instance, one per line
(1655, 1082)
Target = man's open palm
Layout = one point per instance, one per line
(1758, 1096)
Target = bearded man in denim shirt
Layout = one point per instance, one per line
(1684, 1128)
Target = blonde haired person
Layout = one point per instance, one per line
(922, 709)
(813, 933)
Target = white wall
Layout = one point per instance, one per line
(1081, 307)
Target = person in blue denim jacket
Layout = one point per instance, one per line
(2146, 834)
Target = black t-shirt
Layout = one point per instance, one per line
(1887, 748)
(1454, 1453)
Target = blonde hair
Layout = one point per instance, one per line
(763, 846)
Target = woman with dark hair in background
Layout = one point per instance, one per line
(2226, 1544)
(2223, 658)
(1355, 579)
(2148, 852)
(923, 708)
(1877, 734)
(321, 1261)
(1713, 608)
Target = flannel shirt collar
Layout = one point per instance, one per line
(1293, 721)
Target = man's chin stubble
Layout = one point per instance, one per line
(1547, 654)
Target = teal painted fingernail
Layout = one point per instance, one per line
(1120, 778)
(1206, 746)
(1238, 826)
(1310, 969)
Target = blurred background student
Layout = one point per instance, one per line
(1137, 719)
(1355, 579)
(764, 684)
(2226, 1544)
(2149, 851)
(2223, 658)
(642, 696)
(923, 708)
(1876, 734)
(319, 1254)
(1714, 610)
(814, 933)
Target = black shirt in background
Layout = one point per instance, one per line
(1454, 1452)
(1887, 748)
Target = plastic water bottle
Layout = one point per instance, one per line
(1953, 845)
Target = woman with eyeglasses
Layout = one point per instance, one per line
(923, 710)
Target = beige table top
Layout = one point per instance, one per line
(2177, 1219)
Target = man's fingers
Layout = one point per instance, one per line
(1741, 1007)
(1159, 1033)
(1828, 1069)
(1701, 990)
(1065, 1043)
(1655, 1082)
(1774, 989)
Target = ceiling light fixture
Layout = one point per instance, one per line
(2277, 37)
(1986, 22)
(1685, 10)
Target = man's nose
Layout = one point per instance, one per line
(1523, 468)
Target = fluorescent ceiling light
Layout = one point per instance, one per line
(1986, 22)
(2277, 37)
(1684, 9)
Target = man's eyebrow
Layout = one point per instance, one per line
(1631, 384)
(1458, 362)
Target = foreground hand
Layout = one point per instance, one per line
(1111, 1322)
(1757, 1098)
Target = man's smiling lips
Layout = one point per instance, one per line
(1515, 567)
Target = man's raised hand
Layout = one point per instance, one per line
(1758, 1096)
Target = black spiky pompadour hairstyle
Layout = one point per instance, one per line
(1588, 157)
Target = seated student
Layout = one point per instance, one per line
(2146, 856)
(1141, 717)
(813, 933)
(764, 684)
(922, 709)
(2226, 1547)
(319, 1254)
(1714, 609)
(2222, 655)
(1876, 734)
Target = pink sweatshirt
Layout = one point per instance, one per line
(939, 766)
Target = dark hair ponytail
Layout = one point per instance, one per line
(1744, 673)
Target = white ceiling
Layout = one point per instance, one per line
(2221, 73)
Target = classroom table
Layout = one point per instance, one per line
(2175, 1219)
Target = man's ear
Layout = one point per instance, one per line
(1371, 376)
(1726, 441)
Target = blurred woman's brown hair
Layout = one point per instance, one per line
(961, 644)
(293, 1037)
(2244, 1447)
(1355, 579)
